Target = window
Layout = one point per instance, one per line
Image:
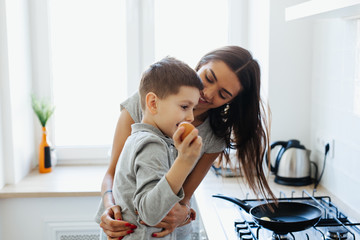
(88, 56)
(88, 69)
(98, 50)
(188, 29)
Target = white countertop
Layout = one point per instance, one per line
(63, 181)
(212, 218)
(82, 181)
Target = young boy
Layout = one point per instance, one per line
(150, 172)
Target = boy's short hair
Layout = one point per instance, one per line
(165, 77)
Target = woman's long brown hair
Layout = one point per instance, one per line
(242, 122)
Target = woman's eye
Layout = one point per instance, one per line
(222, 96)
(208, 79)
(184, 107)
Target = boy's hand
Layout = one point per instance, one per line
(188, 153)
(188, 149)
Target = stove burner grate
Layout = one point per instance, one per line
(336, 233)
(288, 236)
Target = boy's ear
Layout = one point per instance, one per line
(151, 102)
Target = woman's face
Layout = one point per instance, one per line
(221, 85)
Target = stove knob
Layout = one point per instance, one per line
(238, 222)
(244, 232)
(247, 237)
(240, 226)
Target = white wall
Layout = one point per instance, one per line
(239, 19)
(290, 51)
(314, 90)
(258, 39)
(335, 114)
(3, 77)
(2, 172)
(17, 116)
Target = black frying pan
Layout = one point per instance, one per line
(282, 218)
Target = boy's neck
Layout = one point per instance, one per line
(147, 118)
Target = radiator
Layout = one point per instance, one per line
(71, 229)
(80, 235)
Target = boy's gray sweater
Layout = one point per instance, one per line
(140, 184)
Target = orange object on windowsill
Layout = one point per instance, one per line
(44, 154)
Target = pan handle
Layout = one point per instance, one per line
(244, 205)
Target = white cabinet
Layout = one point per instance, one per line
(49, 218)
(324, 9)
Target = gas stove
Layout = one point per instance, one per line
(334, 224)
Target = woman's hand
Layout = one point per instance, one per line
(115, 229)
(175, 218)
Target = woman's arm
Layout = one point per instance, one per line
(197, 175)
(110, 218)
(122, 132)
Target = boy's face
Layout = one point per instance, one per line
(176, 108)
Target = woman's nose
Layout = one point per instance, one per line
(209, 93)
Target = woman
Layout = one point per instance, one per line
(230, 115)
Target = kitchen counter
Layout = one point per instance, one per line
(85, 181)
(215, 221)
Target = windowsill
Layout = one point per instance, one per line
(63, 181)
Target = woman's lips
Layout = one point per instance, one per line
(202, 100)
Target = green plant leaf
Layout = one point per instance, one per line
(43, 109)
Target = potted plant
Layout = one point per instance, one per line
(43, 110)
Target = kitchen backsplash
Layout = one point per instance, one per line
(335, 106)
